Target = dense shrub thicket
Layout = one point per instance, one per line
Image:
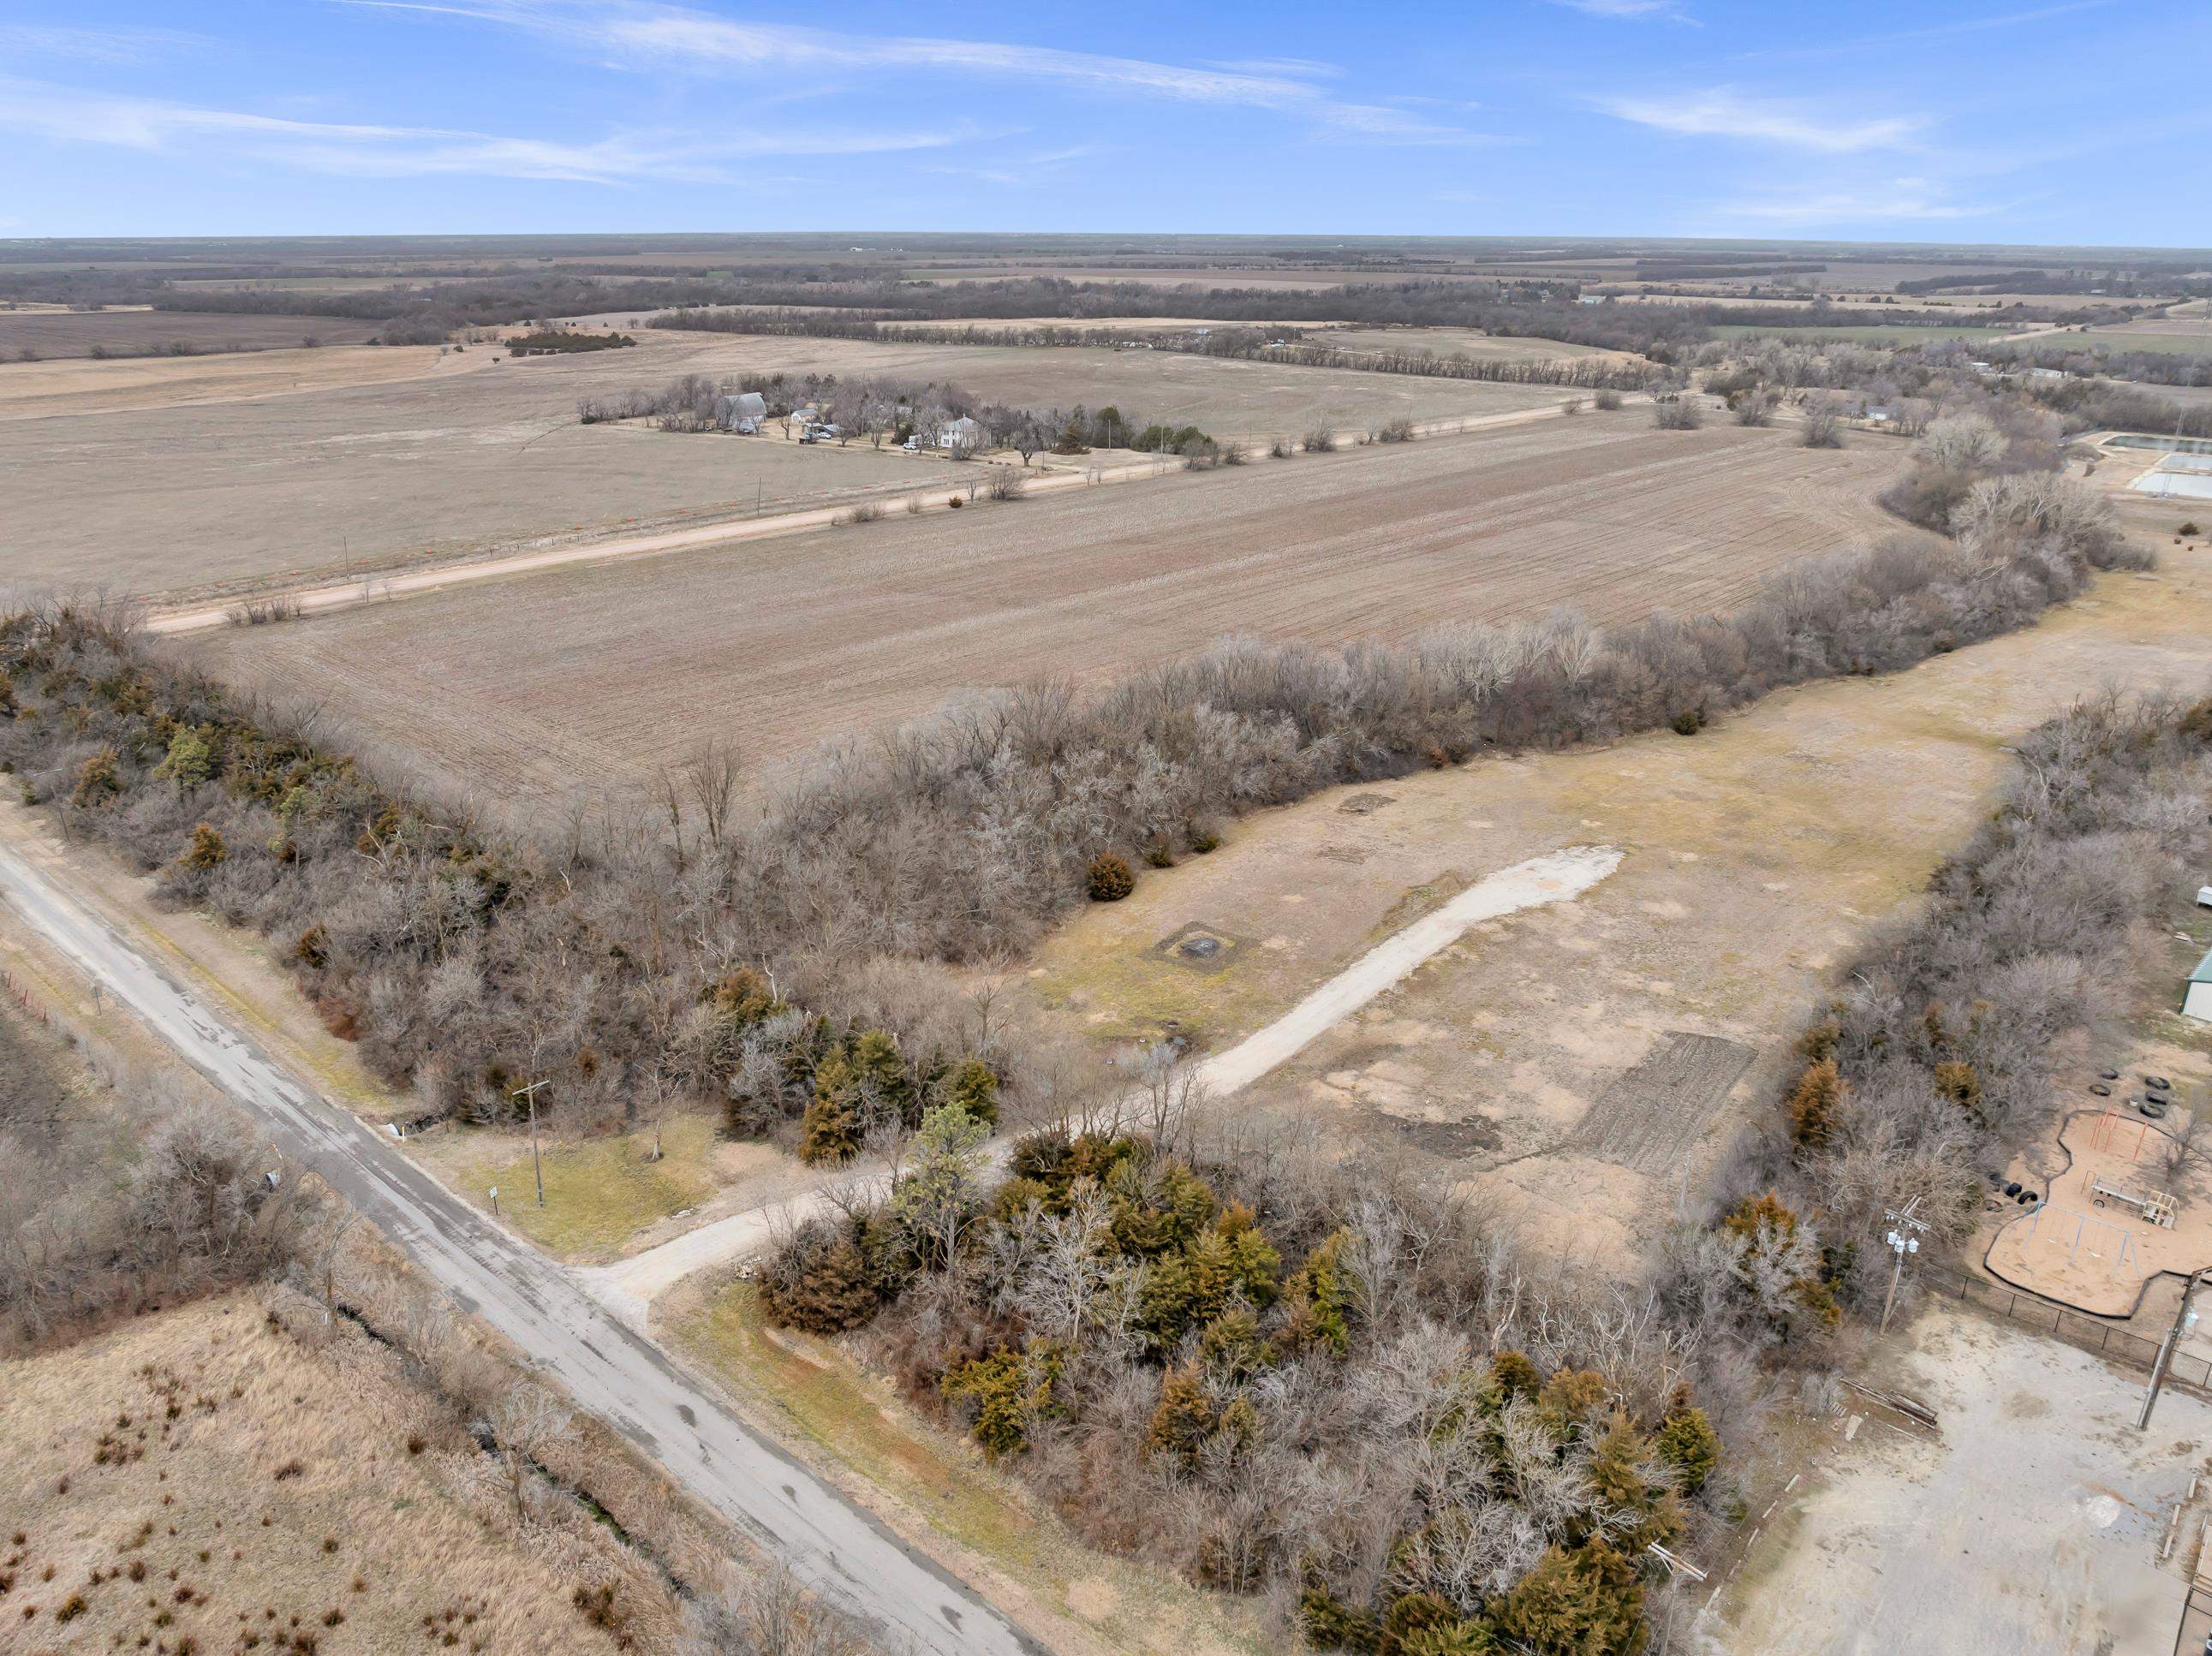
(2085, 356)
(1269, 1373)
(565, 341)
(880, 409)
(1935, 1063)
(1911, 384)
(124, 1204)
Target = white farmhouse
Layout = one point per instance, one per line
(960, 436)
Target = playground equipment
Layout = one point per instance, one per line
(2114, 1244)
(2157, 1206)
(2118, 1135)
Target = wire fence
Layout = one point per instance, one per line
(2189, 1640)
(2091, 1333)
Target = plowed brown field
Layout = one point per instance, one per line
(481, 460)
(591, 675)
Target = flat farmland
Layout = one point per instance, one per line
(1225, 397)
(136, 333)
(530, 688)
(479, 457)
(1304, 279)
(81, 386)
(2191, 336)
(170, 500)
(1457, 342)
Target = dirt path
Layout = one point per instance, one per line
(629, 1287)
(341, 595)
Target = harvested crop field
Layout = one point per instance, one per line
(1306, 279)
(1455, 341)
(137, 333)
(374, 476)
(83, 385)
(1225, 397)
(480, 457)
(530, 687)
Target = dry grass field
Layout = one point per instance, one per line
(1579, 1065)
(200, 1480)
(346, 477)
(478, 458)
(82, 386)
(1305, 279)
(1226, 397)
(525, 689)
(1455, 341)
(131, 333)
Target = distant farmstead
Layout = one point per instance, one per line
(961, 436)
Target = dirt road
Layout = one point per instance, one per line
(630, 1286)
(605, 1366)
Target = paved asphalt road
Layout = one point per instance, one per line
(607, 1368)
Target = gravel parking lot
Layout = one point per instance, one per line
(2033, 1526)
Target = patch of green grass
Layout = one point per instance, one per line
(824, 1401)
(601, 1193)
(1418, 903)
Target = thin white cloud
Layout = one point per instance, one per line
(1300, 68)
(682, 38)
(1722, 113)
(2011, 19)
(68, 115)
(21, 41)
(1026, 170)
(1625, 8)
(1899, 201)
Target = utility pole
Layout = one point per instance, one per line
(1677, 1568)
(2184, 1320)
(1903, 1238)
(537, 1166)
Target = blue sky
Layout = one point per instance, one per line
(1895, 122)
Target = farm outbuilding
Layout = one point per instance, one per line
(745, 412)
(2197, 998)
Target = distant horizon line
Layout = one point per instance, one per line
(1343, 238)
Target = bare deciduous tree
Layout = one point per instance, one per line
(526, 1424)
